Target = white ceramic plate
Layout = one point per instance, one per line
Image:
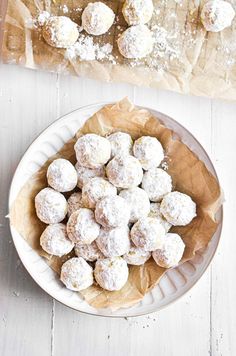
(175, 282)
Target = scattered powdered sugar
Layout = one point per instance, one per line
(64, 8)
(42, 18)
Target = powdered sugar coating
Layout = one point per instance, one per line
(76, 274)
(137, 11)
(136, 256)
(89, 252)
(60, 32)
(97, 18)
(136, 42)
(178, 208)
(54, 240)
(121, 144)
(171, 253)
(85, 174)
(61, 175)
(148, 234)
(156, 183)
(74, 202)
(51, 206)
(216, 15)
(96, 189)
(111, 273)
(138, 201)
(156, 213)
(124, 172)
(81, 227)
(149, 151)
(112, 211)
(92, 151)
(114, 242)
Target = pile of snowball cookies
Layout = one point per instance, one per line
(137, 40)
(120, 210)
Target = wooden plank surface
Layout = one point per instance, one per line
(202, 323)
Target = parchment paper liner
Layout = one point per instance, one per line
(189, 175)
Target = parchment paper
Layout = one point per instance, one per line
(187, 60)
(189, 174)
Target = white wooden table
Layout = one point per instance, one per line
(32, 323)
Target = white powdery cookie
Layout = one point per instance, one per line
(54, 240)
(124, 172)
(178, 208)
(92, 151)
(51, 206)
(156, 183)
(171, 253)
(89, 252)
(156, 213)
(82, 228)
(149, 151)
(121, 144)
(216, 15)
(137, 12)
(111, 273)
(148, 234)
(85, 174)
(76, 274)
(62, 175)
(138, 201)
(114, 242)
(74, 202)
(60, 32)
(112, 211)
(135, 42)
(136, 256)
(97, 18)
(96, 189)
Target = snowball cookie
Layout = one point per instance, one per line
(92, 151)
(89, 252)
(156, 213)
(97, 18)
(51, 206)
(60, 32)
(178, 208)
(136, 256)
(124, 172)
(148, 234)
(148, 151)
(54, 240)
(74, 202)
(112, 211)
(114, 242)
(216, 15)
(85, 174)
(76, 274)
(121, 144)
(96, 189)
(135, 42)
(62, 175)
(137, 12)
(81, 227)
(171, 253)
(156, 183)
(111, 273)
(138, 201)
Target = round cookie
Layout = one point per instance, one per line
(136, 256)
(216, 15)
(97, 18)
(124, 172)
(76, 274)
(171, 252)
(156, 183)
(85, 174)
(92, 151)
(114, 242)
(54, 240)
(111, 273)
(138, 201)
(89, 252)
(61, 175)
(96, 189)
(82, 228)
(149, 151)
(121, 144)
(178, 208)
(51, 206)
(74, 202)
(137, 12)
(148, 234)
